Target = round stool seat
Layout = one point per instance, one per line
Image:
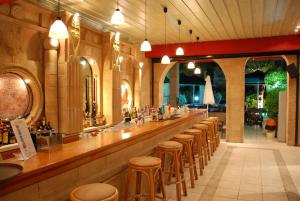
(184, 137)
(214, 118)
(192, 131)
(145, 161)
(200, 126)
(94, 192)
(170, 145)
(209, 122)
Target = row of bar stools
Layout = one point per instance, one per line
(173, 149)
(211, 135)
(151, 168)
(187, 142)
(216, 121)
(198, 146)
(205, 130)
(95, 192)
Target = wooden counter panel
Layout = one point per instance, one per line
(48, 164)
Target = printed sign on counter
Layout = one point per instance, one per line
(23, 138)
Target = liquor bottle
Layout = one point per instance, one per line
(1, 134)
(5, 137)
(11, 137)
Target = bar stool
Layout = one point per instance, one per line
(173, 149)
(187, 141)
(95, 191)
(216, 121)
(198, 146)
(205, 132)
(211, 135)
(150, 167)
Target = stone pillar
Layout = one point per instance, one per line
(174, 85)
(50, 87)
(291, 104)
(111, 83)
(234, 70)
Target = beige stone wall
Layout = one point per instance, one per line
(23, 28)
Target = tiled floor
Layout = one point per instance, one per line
(264, 171)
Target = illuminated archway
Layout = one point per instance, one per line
(126, 95)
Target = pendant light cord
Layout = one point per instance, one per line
(117, 3)
(58, 8)
(165, 11)
(145, 19)
(179, 23)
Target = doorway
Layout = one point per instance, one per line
(265, 99)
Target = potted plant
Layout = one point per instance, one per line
(271, 104)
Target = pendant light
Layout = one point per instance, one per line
(191, 64)
(179, 50)
(165, 59)
(58, 29)
(117, 18)
(197, 71)
(146, 46)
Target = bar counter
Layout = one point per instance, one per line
(101, 158)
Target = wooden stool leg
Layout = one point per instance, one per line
(182, 175)
(200, 155)
(178, 176)
(129, 174)
(138, 186)
(194, 161)
(151, 186)
(161, 182)
(191, 165)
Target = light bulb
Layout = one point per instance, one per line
(145, 46)
(165, 59)
(117, 18)
(141, 64)
(197, 71)
(191, 65)
(58, 30)
(179, 51)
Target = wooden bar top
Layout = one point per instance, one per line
(50, 163)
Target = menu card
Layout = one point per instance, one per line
(23, 138)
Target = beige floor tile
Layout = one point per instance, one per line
(250, 196)
(275, 196)
(227, 193)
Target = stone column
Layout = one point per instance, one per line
(234, 70)
(291, 104)
(111, 83)
(50, 87)
(174, 85)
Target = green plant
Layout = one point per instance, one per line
(276, 79)
(251, 101)
(271, 103)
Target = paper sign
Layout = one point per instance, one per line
(23, 138)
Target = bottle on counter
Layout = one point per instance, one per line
(11, 136)
(5, 136)
(1, 134)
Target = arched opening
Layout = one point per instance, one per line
(265, 99)
(183, 86)
(90, 95)
(126, 95)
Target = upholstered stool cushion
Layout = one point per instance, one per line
(201, 126)
(207, 122)
(170, 145)
(183, 137)
(94, 192)
(192, 131)
(145, 161)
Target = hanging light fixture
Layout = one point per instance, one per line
(58, 29)
(179, 50)
(146, 46)
(117, 18)
(191, 64)
(197, 71)
(165, 59)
